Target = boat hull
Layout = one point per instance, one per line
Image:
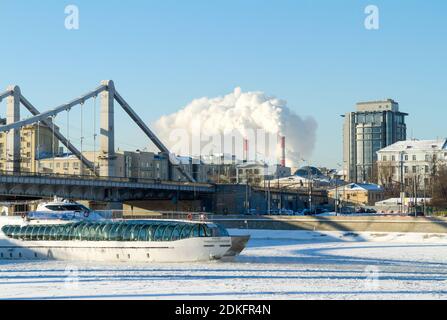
(186, 250)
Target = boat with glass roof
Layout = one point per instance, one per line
(82, 236)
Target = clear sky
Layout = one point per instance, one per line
(315, 54)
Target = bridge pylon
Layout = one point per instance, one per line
(107, 130)
(13, 136)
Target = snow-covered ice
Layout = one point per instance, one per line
(276, 265)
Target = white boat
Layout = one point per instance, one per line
(54, 231)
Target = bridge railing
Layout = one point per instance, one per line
(96, 178)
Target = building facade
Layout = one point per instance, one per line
(412, 164)
(36, 141)
(373, 126)
(357, 194)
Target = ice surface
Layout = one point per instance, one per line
(276, 265)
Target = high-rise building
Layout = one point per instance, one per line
(373, 126)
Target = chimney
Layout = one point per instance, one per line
(283, 151)
(245, 150)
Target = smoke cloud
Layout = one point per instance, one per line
(206, 125)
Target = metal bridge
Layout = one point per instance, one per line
(102, 185)
(98, 188)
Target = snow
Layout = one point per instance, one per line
(276, 265)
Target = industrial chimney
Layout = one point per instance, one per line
(283, 151)
(245, 150)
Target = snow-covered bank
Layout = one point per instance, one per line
(350, 236)
(283, 266)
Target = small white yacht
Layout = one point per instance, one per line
(65, 230)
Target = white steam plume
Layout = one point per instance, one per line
(238, 113)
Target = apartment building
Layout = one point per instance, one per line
(411, 163)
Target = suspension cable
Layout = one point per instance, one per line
(68, 126)
(94, 135)
(38, 146)
(54, 154)
(82, 139)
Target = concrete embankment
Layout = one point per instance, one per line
(345, 223)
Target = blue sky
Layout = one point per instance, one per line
(315, 54)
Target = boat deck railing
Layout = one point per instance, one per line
(143, 214)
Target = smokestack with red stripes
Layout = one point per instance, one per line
(245, 150)
(283, 151)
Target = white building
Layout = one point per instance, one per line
(412, 163)
(256, 172)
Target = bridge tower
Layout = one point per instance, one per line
(13, 136)
(107, 131)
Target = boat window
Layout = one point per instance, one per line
(142, 233)
(67, 207)
(60, 233)
(46, 230)
(53, 233)
(195, 231)
(126, 232)
(114, 231)
(186, 231)
(114, 234)
(208, 231)
(168, 232)
(96, 234)
(72, 232)
(85, 232)
(26, 233)
(41, 233)
(78, 231)
(176, 232)
(134, 232)
(151, 232)
(54, 208)
(15, 231)
(158, 235)
(202, 232)
(5, 230)
(104, 232)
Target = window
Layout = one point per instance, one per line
(406, 169)
(414, 157)
(114, 231)
(414, 169)
(406, 157)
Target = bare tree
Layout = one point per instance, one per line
(385, 172)
(439, 197)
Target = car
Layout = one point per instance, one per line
(286, 212)
(251, 212)
(417, 214)
(306, 212)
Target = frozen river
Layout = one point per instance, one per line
(279, 266)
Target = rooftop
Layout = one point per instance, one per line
(420, 145)
(361, 187)
(383, 105)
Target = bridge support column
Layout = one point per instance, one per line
(107, 131)
(13, 136)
